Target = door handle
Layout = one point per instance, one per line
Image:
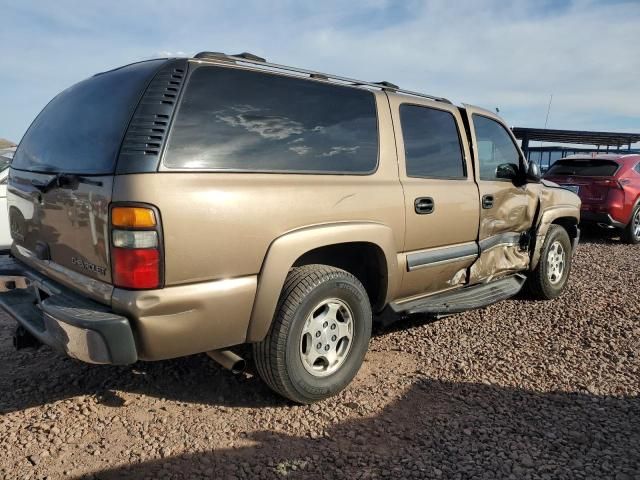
(487, 201)
(424, 205)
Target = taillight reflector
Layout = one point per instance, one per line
(133, 217)
(136, 268)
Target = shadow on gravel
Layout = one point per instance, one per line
(599, 236)
(37, 377)
(41, 377)
(439, 429)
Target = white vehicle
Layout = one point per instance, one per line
(5, 237)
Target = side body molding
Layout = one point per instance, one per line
(285, 250)
(548, 216)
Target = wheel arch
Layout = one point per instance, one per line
(570, 224)
(364, 260)
(633, 209)
(567, 216)
(341, 245)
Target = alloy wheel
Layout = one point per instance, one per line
(326, 337)
(556, 262)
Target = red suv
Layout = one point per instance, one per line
(609, 187)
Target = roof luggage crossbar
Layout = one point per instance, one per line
(261, 62)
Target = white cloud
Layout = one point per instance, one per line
(169, 54)
(492, 53)
(300, 150)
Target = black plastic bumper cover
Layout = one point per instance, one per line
(600, 219)
(62, 319)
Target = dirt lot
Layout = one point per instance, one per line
(521, 389)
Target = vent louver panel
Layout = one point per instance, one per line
(149, 127)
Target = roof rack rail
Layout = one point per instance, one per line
(219, 55)
(210, 55)
(259, 61)
(388, 85)
(250, 56)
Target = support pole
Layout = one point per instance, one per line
(525, 146)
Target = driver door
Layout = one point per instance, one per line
(507, 206)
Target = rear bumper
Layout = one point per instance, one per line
(602, 219)
(56, 316)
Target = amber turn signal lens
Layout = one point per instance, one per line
(132, 217)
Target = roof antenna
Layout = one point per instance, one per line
(546, 121)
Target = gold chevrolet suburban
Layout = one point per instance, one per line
(178, 206)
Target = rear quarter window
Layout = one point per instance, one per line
(239, 120)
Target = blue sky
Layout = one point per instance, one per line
(491, 53)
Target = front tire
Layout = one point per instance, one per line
(631, 233)
(548, 279)
(319, 336)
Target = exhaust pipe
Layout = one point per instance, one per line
(228, 360)
(604, 225)
(23, 339)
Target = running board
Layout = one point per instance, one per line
(466, 298)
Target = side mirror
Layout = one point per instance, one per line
(533, 172)
(508, 171)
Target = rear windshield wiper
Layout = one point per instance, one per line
(63, 180)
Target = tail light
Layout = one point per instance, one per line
(609, 183)
(624, 181)
(136, 257)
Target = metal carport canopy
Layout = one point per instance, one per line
(616, 139)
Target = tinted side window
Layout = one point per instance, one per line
(494, 145)
(431, 143)
(233, 119)
(638, 168)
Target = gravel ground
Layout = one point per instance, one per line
(521, 389)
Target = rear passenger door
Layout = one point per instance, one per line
(507, 206)
(441, 197)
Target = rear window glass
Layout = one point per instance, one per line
(431, 143)
(80, 130)
(232, 119)
(584, 168)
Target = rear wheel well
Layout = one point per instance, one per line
(633, 209)
(366, 261)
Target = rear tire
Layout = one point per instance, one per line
(548, 279)
(319, 336)
(631, 233)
